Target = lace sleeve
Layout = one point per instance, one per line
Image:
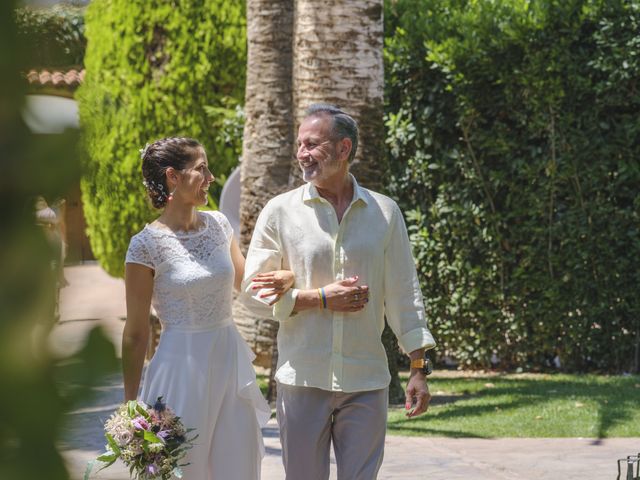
(138, 252)
(224, 223)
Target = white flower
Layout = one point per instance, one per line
(123, 437)
(156, 447)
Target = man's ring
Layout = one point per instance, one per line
(356, 297)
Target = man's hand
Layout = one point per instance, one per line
(417, 390)
(346, 296)
(275, 283)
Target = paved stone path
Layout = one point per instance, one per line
(93, 298)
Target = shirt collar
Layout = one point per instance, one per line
(310, 192)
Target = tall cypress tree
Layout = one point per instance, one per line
(154, 69)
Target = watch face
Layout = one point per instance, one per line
(428, 367)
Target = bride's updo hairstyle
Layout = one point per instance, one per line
(176, 152)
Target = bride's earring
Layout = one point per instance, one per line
(172, 176)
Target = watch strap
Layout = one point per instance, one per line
(417, 363)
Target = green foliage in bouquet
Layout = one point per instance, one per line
(154, 69)
(513, 134)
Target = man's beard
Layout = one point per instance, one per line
(315, 172)
(308, 174)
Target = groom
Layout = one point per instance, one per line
(349, 250)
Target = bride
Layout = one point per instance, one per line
(186, 264)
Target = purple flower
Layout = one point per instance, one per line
(140, 423)
(152, 469)
(163, 434)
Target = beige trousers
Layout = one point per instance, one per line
(311, 418)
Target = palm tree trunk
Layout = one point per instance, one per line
(268, 138)
(338, 59)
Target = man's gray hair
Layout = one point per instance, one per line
(343, 124)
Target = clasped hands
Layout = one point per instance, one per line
(346, 296)
(341, 296)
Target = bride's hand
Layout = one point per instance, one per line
(275, 283)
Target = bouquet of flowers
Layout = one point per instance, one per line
(151, 441)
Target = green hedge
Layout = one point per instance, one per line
(514, 137)
(54, 36)
(154, 69)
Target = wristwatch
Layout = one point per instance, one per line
(424, 364)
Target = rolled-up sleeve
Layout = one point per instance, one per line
(283, 308)
(404, 307)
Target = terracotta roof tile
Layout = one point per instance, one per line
(69, 80)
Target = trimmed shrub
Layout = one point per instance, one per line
(55, 35)
(514, 138)
(154, 69)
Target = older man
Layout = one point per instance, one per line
(349, 250)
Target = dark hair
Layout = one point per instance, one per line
(176, 152)
(343, 124)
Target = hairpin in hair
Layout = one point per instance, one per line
(143, 151)
(157, 188)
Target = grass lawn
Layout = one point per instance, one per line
(525, 405)
(468, 404)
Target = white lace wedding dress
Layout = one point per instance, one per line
(202, 366)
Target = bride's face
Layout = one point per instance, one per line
(195, 179)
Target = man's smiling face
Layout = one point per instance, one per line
(317, 150)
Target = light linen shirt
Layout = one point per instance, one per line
(339, 351)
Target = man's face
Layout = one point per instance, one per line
(317, 151)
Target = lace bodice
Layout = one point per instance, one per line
(193, 271)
